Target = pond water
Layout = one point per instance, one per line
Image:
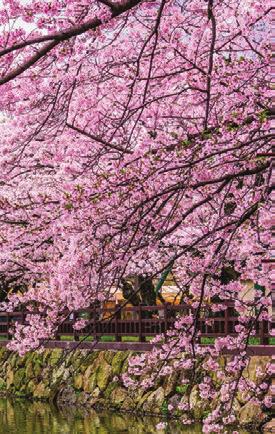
(18, 416)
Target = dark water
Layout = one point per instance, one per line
(26, 417)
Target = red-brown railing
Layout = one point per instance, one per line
(140, 322)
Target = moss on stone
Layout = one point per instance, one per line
(118, 360)
(82, 363)
(124, 368)
(78, 381)
(108, 356)
(3, 384)
(10, 377)
(154, 402)
(46, 355)
(90, 383)
(29, 370)
(41, 391)
(88, 377)
(13, 360)
(37, 368)
(117, 397)
(55, 356)
(109, 389)
(94, 396)
(19, 377)
(170, 383)
(103, 376)
(4, 354)
(30, 386)
(144, 398)
(250, 413)
(128, 404)
(21, 361)
(199, 407)
(254, 364)
(59, 373)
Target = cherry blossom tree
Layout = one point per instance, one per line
(136, 139)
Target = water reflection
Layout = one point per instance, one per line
(25, 417)
(18, 416)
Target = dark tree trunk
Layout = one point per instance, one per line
(147, 290)
(129, 293)
(141, 293)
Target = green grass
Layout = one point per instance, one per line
(129, 339)
(207, 341)
(66, 338)
(204, 340)
(71, 338)
(107, 339)
(252, 341)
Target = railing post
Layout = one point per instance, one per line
(117, 317)
(75, 333)
(226, 321)
(263, 339)
(266, 338)
(261, 332)
(57, 334)
(141, 337)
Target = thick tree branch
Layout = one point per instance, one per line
(58, 37)
(98, 139)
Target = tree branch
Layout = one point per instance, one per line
(58, 37)
(98, 139)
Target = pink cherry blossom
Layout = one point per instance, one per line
(135, 138)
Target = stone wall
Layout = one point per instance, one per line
(91, 378)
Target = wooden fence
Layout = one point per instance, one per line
(140, 322)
